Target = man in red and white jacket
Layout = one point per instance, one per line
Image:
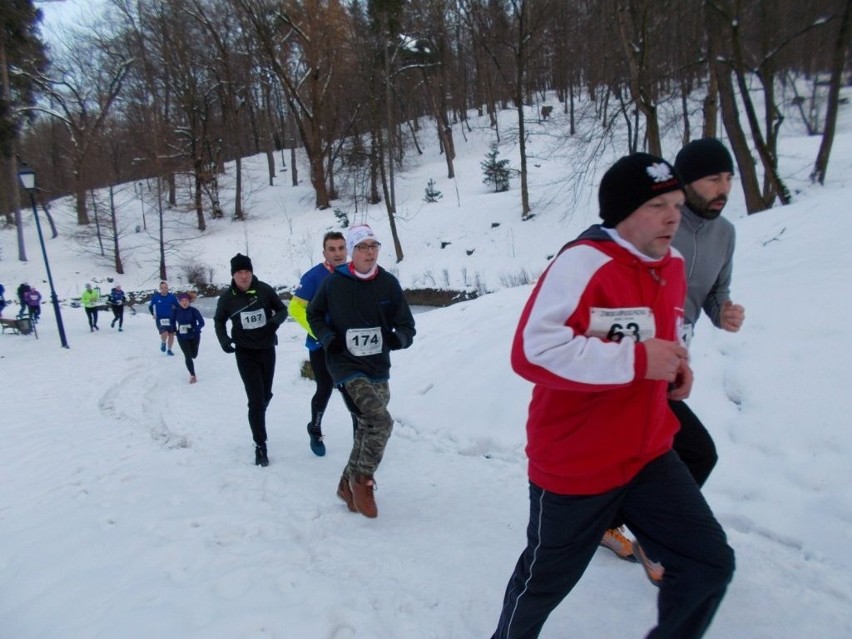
(599, 338)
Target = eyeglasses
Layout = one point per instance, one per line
(366, 248)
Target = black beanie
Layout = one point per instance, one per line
(631, 182)
(240, 262)
(701, 158)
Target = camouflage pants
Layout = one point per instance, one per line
(368, 402)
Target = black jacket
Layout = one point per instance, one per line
(349, 310)
(255, 315)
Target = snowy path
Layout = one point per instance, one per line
(130, 507)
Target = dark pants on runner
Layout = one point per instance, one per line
(118, 315)
(325, 386)
(665, 510)
(189, 348)
(693, 445)
(257, 368)
(92, 315)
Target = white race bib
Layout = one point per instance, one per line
(615, 324)
(685, 333)
(165, 322)
(183, 329)
(364, 341)
(253, 319)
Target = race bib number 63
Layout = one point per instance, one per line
(616, 324)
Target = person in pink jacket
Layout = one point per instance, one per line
(600, 339)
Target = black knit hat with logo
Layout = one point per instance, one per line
(241, 262)
(632, 181)
(701, 158)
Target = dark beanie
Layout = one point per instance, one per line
(631, 182)
(701, 158)
(240, 262)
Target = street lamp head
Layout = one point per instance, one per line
(27, 177)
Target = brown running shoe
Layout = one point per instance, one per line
(362, 487)
(345, 493)
(615, 540)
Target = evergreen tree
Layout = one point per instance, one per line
(342, 217)
(497, 172)
(432, 193)
(24, 54)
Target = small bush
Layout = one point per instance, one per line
(197, 275)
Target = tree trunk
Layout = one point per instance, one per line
(318, 181)
(767, 157)
(238, 189)
(80, 196)
(97, 222)
(161, 229)
(710, 105)
(172, 189)
(446, 142)
(45, 206)
(837, 64)
(572, 126)
(375, 162)
(119, 267)
(640, 85)
(383, 152)
(332, 190)
(520, 72)
(390, 195)
(739, 144)
(270, 163)
(198, 175)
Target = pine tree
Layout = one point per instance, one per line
(497, 172)
(342, 217)
(22, 49)
(432, 193)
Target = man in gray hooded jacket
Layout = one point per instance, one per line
(706, 241)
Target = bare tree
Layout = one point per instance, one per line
(755, 38)
(302, 42)
(83, 88)
(633, 19)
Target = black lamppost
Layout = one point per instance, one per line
(27, 177)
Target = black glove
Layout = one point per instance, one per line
(392, 340)
(333, 346)
(227, 347)
(279, 317)
(271, 327)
